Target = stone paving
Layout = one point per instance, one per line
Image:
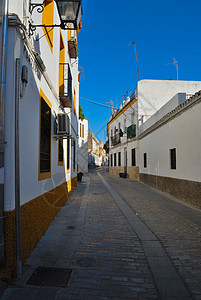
(179, 232)
(115, 246)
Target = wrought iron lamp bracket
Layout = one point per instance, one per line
(40, 7)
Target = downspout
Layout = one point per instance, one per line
(17, 168)
(4, 33)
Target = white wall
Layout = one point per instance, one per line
(127, 114)
(170, 105)
(182, 133)
(30, 186)
(83, 148)
(153, 94)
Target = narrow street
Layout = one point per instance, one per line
(115, 239)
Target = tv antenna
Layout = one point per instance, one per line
(112, 107)
(134, 44)
(175, 62)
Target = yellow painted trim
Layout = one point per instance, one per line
(74, 154)
(120, 113)
(61, 61)
(68, 170)
(48, 19)
(42, 176)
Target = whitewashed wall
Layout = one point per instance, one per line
(183, 133)
(83, 148)
(30, 186)
(153, 94)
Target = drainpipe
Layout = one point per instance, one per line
(4, 33)
(17, 168)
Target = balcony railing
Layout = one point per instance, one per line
(72, 48)
(65, 90)
(131, 131)
(115, 139)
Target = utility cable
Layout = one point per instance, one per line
(104, 105)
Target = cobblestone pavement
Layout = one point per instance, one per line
(176, 226)
(118, 247)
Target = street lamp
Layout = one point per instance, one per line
(70, 11)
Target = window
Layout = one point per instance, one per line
(111, 133)
(48, 19)
(80, 130)
(119, 126)
(61, 66)
(83, 131)
(119, 159)
(68, 155)
(133, 157)
(111, 160)
(70, 89)
(115, 160)
(145, 160)
(125, 125)
(60, 152)
(173, 159)
(74, 155)
(45, 138)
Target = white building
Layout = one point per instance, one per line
(143, 149)
(169, 152)
(41, 124)
(94, 150)
(83, 146)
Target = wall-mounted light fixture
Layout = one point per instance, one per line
(69, 12)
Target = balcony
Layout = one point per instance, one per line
(72, 48)
(115, 139)
(131, 131)
(65, 88)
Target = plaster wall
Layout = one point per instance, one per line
(30, 186)
(153, 94)
(125, 119)
(170, 105)
(83, 148)
(180, 133)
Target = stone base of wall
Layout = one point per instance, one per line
(36, 216)
(133, 172)
(184, 190)
(116, 170)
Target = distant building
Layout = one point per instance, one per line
(95, 151)
(154, 137)
(83, 146)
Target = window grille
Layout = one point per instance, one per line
(115, 159)
(45, 137)
(119, 159)
(173, 159)
(61, 154)
(133, 157)
(145, 160)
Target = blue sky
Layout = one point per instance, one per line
(162, 30)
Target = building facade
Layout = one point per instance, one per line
(83, 146)
(95, 151)
(159, 154)
(41, 125)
